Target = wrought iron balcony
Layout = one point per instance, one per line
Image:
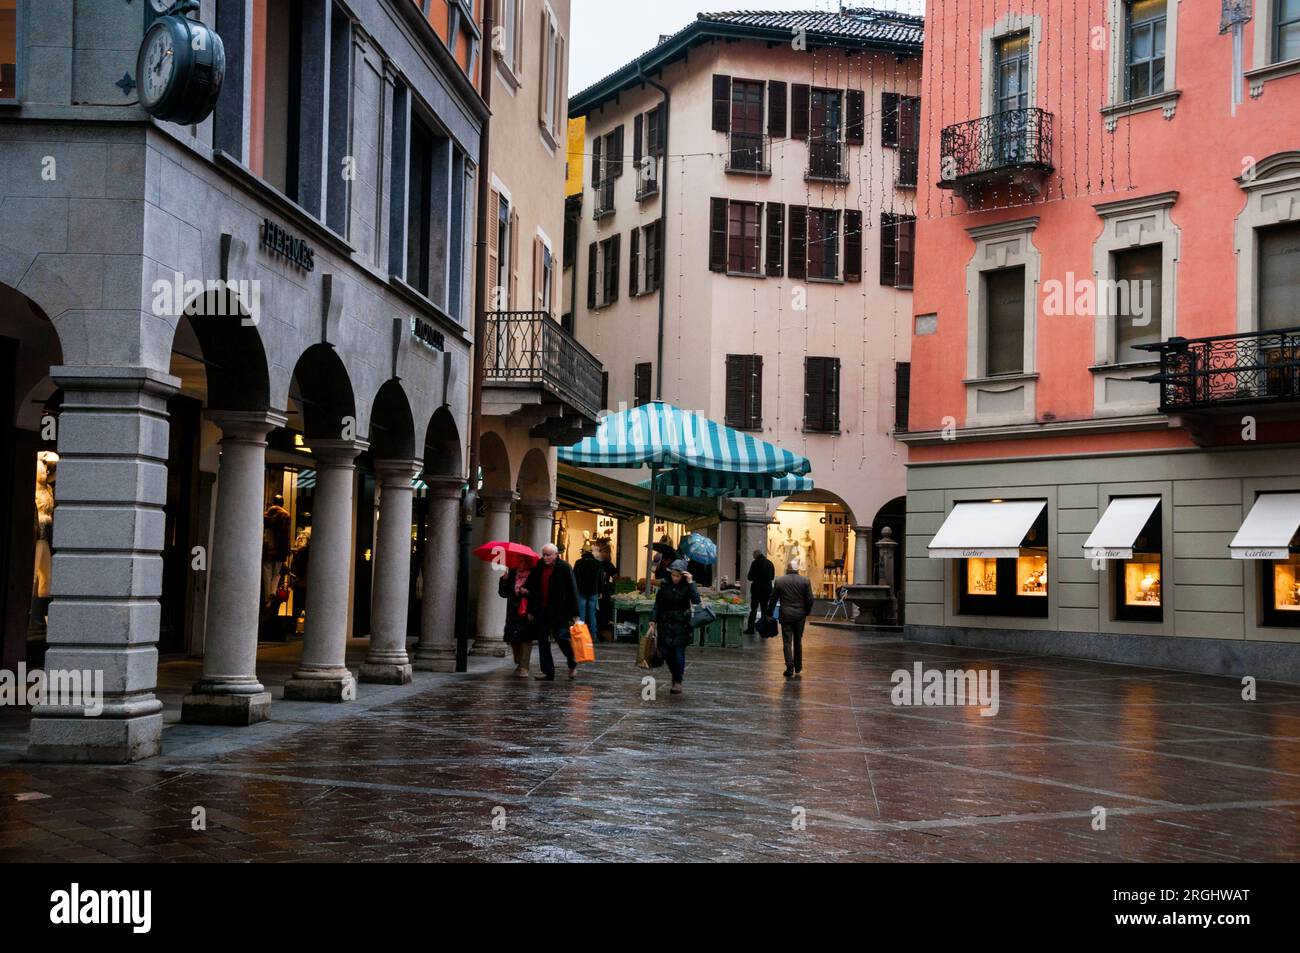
(827, 161)
(750, 152)
(1012, 147)
(528, 350)
(604, 198)
(1227, 370)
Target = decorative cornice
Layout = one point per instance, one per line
(1145, 203)
(1020, 226)
(1057, 428)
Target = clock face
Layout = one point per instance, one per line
(158, 65)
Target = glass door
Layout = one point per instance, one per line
(1011, 100)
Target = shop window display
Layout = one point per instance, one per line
(1001, 585)
(1282, 591)
(817, 540)
(1138, 580)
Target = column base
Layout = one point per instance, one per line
(313, 687)
(437, 660)
(94, 740)
(386, 673)
(216, 708)
(488, 646)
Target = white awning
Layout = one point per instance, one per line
(991, 530)
(1270, 526)
(1119, 527)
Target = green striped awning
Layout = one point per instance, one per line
(686, 481)
(662, 435)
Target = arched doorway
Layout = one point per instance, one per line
(893, 515)
(29, 403)
(816, 529)
(535, 510)
(392, 437)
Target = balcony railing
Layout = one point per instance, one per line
(826, 161)
(749, 152)
(528, 347)
(1014, 145)
(1228, 369)
(604, 197)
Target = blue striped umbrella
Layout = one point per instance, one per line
(701, 549)
(687, 481)
(661, 435)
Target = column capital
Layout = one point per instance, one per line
(337, 453)
(245, 424)
(538, 507)
(859, 530)
(444, 488)
(498, 500)
(76, 377)
(398, 473)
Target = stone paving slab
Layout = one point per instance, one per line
(589, 771)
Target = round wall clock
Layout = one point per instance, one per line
(179, 69)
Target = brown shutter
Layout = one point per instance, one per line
(597, 151)
(615, 253)
(543, 78)
(856, 118)
(832, 402)
(902, 395)
(744, 391)
(658, 253)
(614, 156)
(514, 259)
(637, 122)
(852, 245)
(634, 259)
(888, 249)
(798, 266)
(776, 107)
(493, 248)
(718, 235)
(889, 119)
(814, 386)
(721, 103)
(799, 93)
(592, 274)
(775, 239)
(641, 385)
(557, 120)
(754, 393)
(906, 252)
(734, 414)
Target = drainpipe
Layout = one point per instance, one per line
(470, 501)
(659, 359)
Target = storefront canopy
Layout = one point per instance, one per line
(711, 484)
(580, 489)
(1269, 528)
(661, 435)
(991, 530)
(1120, 526)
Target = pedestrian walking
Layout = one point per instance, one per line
(761, 574)
(521, 619)
(670, 621)
(589, 574)
(794, 594)
(605, 613)
(556, 610)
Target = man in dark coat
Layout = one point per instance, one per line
(795, 595)
(589, 573)
(761, 573)
(671, 619)
(557, 592)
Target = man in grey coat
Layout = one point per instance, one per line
(794, 594)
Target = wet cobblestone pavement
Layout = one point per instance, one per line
(588, 771)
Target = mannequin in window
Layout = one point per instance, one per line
(812, 564)
(47, 463)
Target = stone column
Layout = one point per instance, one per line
(437, 649)
(387, 662)
(107, 568)
(885, 552)
(491, 620)
(322, 673)
(861, 555)
(539, 516)
(229, 692)
(752, 530)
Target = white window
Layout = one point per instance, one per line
(508, 37)
(550, 96)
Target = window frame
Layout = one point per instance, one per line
(821, 215)
(19, 58)
(749, 368)
(829, 423)
(738, 241)
(1130, 26)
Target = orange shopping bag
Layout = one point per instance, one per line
(580, 640)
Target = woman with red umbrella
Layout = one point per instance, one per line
(523, 604)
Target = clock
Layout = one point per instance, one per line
(179, 69)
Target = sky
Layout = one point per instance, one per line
(607, 34)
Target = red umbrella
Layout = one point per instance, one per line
(511, 555)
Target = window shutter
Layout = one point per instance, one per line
(544, 79)
(735, 397)
(593, 278)
(519, 39)
(798, 267)
(539, 291)
(658, 253)
(494, 248)
(637, 122)
(852, 245)
(776, 107)
(717, 235)
(604, 389)
(557, 120)
(799, 93)
(615, 253)
(906, 252)
(833, 394)
(614, 158)
(775, 239)
(814, 386)
(597, 151)
(902, 395)
(634, 259)
(641, 385)
(754, 393)
(856, 119)
(889, 119)
(721, 103)
(888, 250)
(514, 259)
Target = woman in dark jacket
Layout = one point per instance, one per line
(521, 615)
(671, 619)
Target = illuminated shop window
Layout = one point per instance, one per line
(981, 576)
(1141, 580)
(1031, 575)
(1286, 586)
